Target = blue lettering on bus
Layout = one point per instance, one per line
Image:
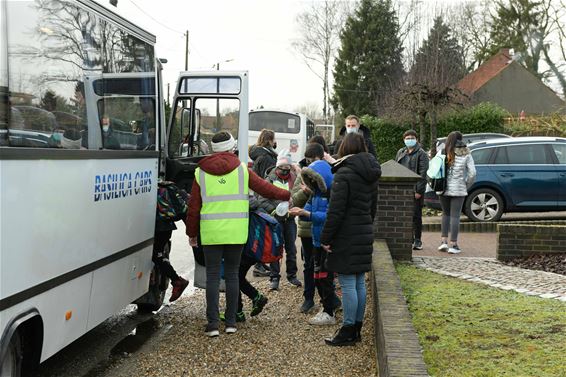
(121, 185)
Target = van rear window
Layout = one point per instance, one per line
(278, 122)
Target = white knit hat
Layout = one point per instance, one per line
(284, 158)
(224, 146)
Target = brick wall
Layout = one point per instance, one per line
(515, 240)
(395, 204)
(398, 350)
(394, 219)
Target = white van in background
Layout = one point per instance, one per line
(292, 130)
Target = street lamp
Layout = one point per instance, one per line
(218, 92)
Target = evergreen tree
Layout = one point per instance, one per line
(439, 62)
(522, 25)
(49, 101)
(369, 63)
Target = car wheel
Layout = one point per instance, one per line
(484, 205)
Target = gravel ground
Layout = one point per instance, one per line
(278, 342)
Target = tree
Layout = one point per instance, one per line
(536, 32)
(319, 27)
(369, 63)
(439, 64)
(470, 23)
(523, 26)
(311, 110)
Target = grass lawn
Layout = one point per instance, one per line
(469, 329)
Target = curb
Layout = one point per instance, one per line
(491, 227)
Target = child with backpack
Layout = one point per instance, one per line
(318, 178)
(171, 206)
(283, 177)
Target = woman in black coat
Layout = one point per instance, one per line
(348, 231)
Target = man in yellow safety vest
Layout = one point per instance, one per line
(219, 213)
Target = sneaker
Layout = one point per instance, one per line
(274, 285)
(417, 245)
(230, 330)
(211, 331)
(322, 318)
(240, 317)
(296, 282)
(307, 306)
(258, 304)
(179, 286)
(443, 247)
(454, 249)
(260, 270)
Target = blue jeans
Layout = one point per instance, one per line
(353, 297)
(290, 236)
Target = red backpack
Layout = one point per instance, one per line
(265, 238)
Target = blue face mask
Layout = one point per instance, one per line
(410, 143)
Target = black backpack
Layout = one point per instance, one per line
(172, 202)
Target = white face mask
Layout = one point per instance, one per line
(105, 128)
(351, 130)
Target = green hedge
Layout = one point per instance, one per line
(387, 135)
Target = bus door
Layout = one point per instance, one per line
(205, 103)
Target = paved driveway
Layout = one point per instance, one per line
(472, 244)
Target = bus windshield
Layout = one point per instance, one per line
(276, 121)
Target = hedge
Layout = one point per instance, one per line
(387, 135)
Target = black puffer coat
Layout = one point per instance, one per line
(349, 223)
(264, 160)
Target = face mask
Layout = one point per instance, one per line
(410, 143)
(274, 145)
(351, 130)
(105, 128)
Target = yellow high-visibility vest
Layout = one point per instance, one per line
(281, 185)
(224, 215)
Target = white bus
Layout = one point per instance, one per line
(77, 206)
(292, 130)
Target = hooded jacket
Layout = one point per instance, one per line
(353, 204)
(416, 161)
(221, 164)
(300, 199)
(264, 159)
(318, 177)
(269, 205)
(462, 174)
(366, 132)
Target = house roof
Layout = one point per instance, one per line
(488, 70)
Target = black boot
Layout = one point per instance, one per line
(345, 336)
(358, 326)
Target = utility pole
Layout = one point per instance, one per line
(187, 51)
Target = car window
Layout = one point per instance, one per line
(500, 156)
(481, 156)
(527, 154)
(560, 151)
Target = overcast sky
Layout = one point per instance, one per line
(255, 35)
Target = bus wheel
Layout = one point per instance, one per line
(12, 363)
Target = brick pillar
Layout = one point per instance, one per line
(395, 205)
